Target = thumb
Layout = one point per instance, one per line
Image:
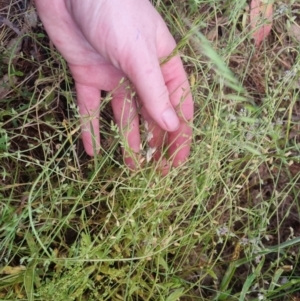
(145, 73)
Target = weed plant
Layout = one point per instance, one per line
(225, 226)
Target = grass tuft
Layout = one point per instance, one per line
(223, 227)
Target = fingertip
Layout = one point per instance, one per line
(88, 100)
(180, 145)
(164, 167)
(91, 145)
(170, 120)
(131, 161)
(180, 161)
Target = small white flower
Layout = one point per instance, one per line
(232, 117)
(149, 136)
(243, 112)
(244, 241)
(223, 230)
(146, 126)
(290, 73)
(258, 259)
(281, 9)
(260, 296)
(284, 280)
(149, 153)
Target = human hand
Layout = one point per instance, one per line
(106, 41)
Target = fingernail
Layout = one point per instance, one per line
(170, 120)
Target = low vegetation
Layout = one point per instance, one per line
(225, 226)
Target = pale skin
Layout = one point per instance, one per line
(109, 43)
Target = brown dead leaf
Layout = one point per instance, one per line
(5, 84)
(31, 18)
(18, 291)
(9, 270)
(294, 31)
(261, 17)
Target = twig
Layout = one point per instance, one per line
(10, 25)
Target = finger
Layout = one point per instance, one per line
(145, 73)
(156, 138)
(155, 135)
(179, 142)
(180, 145)
(126, 116)
(163, 90)
(178, 88)
(88, 100)
(180, 97)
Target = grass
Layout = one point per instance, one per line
(223, 227)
